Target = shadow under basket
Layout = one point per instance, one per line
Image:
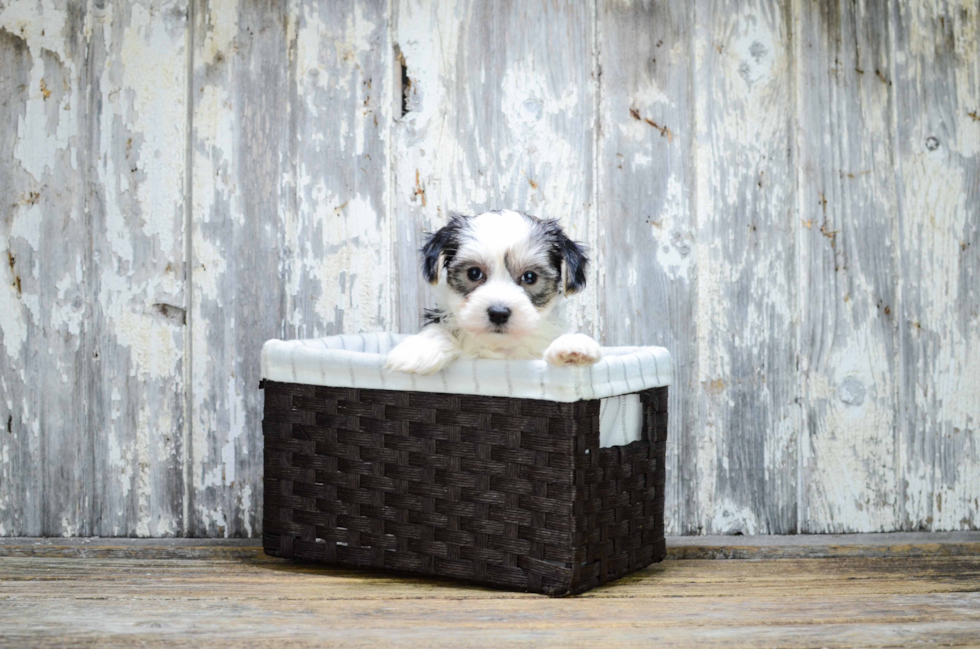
(500, 491)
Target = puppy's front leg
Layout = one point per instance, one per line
(424, 353)
(573, 349)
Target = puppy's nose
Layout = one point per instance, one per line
(498, 314)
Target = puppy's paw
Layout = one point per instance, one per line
(573, 349)
(418, 355)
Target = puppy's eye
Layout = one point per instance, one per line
(529, 278)
(475, 274)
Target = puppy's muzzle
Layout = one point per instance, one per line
(498, 315)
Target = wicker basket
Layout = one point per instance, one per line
(509, 492)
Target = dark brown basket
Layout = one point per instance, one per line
(501, 491)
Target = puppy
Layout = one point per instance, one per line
(500, 280)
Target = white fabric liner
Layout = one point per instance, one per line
(358, 361)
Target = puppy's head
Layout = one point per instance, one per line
(499, 273)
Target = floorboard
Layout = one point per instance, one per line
(860, 592)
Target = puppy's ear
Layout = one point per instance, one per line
(574, 264)
(440, 247)
(569, 255)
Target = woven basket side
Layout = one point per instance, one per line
(508, 492)
(473, 488)
(619, 504)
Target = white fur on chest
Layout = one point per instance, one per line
(529, 347)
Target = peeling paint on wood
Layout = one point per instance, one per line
(240, 128)
(937, 76)
(291, 216)
(782, 192)
(848, 283)
(335, 203)
(94, 218)
(21, 491)
(136, 211)
(747, 434)
(644, 195)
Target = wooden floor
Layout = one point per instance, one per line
(874, 590)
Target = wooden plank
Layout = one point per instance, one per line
(810, 602)
(136, 207)
(796, 546)
(134, 548)
(849, 268)
(746, 269)
(97, 291)
(937, 81)
(291, 190)
(954, 628)
(21, 492)
(498, 113)
(334, 210)
(646, 229)
(264, 578)
(815, 546)
(216, 577)
(241, 125)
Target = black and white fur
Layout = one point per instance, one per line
(500, 279)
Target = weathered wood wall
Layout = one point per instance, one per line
(785, 193)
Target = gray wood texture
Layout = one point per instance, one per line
(240, 124)
(784, 193)
(899, 545)
(139, 592)
(848, 202)
(744, 195)
(92, 316)
(644, 173)
(937, 72)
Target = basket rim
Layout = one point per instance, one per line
(357, 361)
